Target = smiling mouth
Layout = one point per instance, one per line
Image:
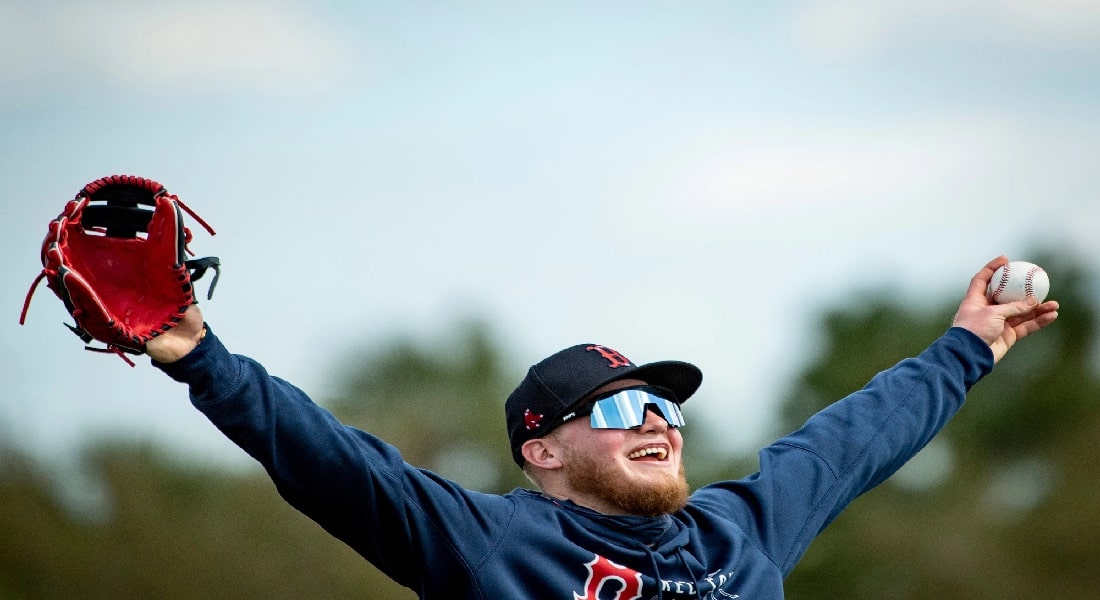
(651, 453)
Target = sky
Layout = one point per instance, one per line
(691, 180)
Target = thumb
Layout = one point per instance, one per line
(1020, 307)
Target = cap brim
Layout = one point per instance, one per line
(681, 377)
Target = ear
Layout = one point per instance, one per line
(542, 453)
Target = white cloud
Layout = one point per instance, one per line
(846, 28)
(983, 182)
(273, 48)
(1053, 19)
(779, 166)
(21, 42)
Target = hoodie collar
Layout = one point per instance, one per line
(659, 534)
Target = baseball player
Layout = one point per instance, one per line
(597, 434)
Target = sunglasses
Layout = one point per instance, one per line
(626, 408)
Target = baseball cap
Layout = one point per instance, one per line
(556, 384)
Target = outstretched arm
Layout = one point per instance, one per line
(1001, 325)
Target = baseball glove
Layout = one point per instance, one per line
(116, 256)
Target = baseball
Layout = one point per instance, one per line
(1016, 281)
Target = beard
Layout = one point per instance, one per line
(644, 498)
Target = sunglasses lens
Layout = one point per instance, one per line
(626, 409)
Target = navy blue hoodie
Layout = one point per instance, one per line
(735, 539)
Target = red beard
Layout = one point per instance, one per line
(648, 499)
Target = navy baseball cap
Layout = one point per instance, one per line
(555, 385)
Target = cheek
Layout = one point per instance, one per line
(676, 439)
(609, 442)
(595, 443)
(610, 446)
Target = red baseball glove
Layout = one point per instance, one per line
(116, 256)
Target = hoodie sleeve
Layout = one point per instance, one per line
(808, 477)
(354, 485)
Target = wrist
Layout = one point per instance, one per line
(172, 346)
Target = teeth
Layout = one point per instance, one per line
(661, 453)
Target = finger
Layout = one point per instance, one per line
(1035, 311)
(1043, 315)
(980, 282)
(1019, 308)
(1025, 328)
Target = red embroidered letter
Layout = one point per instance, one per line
(531, 420)
(613, 357)
(602, 571)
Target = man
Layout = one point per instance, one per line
(598, 436)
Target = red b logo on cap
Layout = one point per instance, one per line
(531, 420)
(614, 358)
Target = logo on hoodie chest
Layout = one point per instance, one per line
(604, 575)
(608, 580)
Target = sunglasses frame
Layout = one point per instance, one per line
(610, 406)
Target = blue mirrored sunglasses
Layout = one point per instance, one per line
(626, 408)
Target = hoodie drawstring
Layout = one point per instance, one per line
(684, 563)
(687, 567)
(656, 574)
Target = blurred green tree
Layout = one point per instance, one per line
(440, 402)
(168, 531)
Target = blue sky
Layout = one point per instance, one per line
(675, 180)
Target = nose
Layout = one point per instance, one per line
(654, 422)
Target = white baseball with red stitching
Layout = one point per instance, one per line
(1018, 280)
